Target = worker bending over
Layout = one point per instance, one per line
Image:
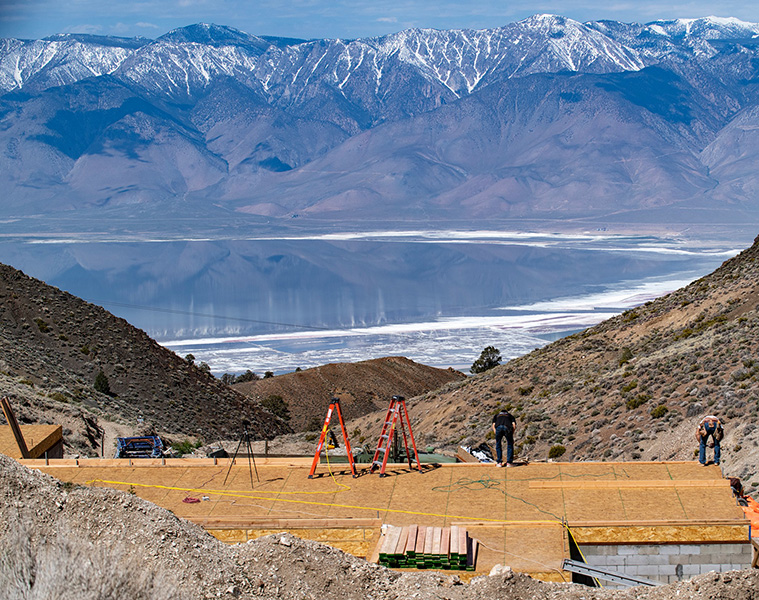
(709, 426)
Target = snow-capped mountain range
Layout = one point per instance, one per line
(546, 117)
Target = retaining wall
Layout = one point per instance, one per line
(667, 562)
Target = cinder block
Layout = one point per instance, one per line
(690, 549)
(615, 561)
(599, 550)
(648, 550)
(690, 570)
(649, 571)
(669, 549)
(711, 567)
(627, 550)
(594, 559)
(668, 570)
(635, 560)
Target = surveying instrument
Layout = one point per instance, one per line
(244, 439)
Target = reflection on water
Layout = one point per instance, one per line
(436, 297)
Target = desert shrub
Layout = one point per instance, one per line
(629, 316)
(58, 396)
(186, 446)
(42, 325)
(68, 566)
(268, 374)
(637, 401)
(525, 391)
(85, 349)
(626, 356)
(556, 451)
(629, 386)
(659, 411)
(277, 406)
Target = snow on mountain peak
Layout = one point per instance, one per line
(189, 58)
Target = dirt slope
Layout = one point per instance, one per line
(362, 387)
(93, 543)
(630, 388)
(53, 345)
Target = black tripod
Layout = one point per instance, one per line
(245, 437)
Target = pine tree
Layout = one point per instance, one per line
(489, 358)
(101, 384)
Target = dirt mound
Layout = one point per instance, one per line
(631, 388)
(176, 559)
(362, 387)
(53, 346)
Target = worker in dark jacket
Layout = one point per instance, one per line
(504, 425)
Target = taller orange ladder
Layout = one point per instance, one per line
(333, 407)
(397, 413)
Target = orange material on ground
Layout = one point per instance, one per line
(752, 513)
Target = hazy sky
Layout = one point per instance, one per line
(329, 18)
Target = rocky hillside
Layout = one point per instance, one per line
(53, 347)
(631, 388)
(79, 542)
(362, 387)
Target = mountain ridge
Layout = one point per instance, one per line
(206, 115)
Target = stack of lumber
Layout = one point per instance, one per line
(421, 547)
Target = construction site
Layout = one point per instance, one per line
(631, 523)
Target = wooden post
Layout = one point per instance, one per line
(11, 418)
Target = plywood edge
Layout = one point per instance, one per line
(269, 523)
(504, 523)
(662, 534)
(641, 483)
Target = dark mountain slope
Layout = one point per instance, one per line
(53, 345)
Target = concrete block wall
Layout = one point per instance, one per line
(667, 562)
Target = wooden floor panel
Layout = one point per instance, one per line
(515, 513)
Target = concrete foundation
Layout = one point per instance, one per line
(668, 563)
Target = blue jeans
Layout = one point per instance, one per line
(702, 445)
(500, 433)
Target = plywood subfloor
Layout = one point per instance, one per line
(39, 439)
(516, 513)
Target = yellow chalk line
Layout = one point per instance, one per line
(313, 503)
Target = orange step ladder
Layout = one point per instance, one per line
(397, 413)
(333, 407)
